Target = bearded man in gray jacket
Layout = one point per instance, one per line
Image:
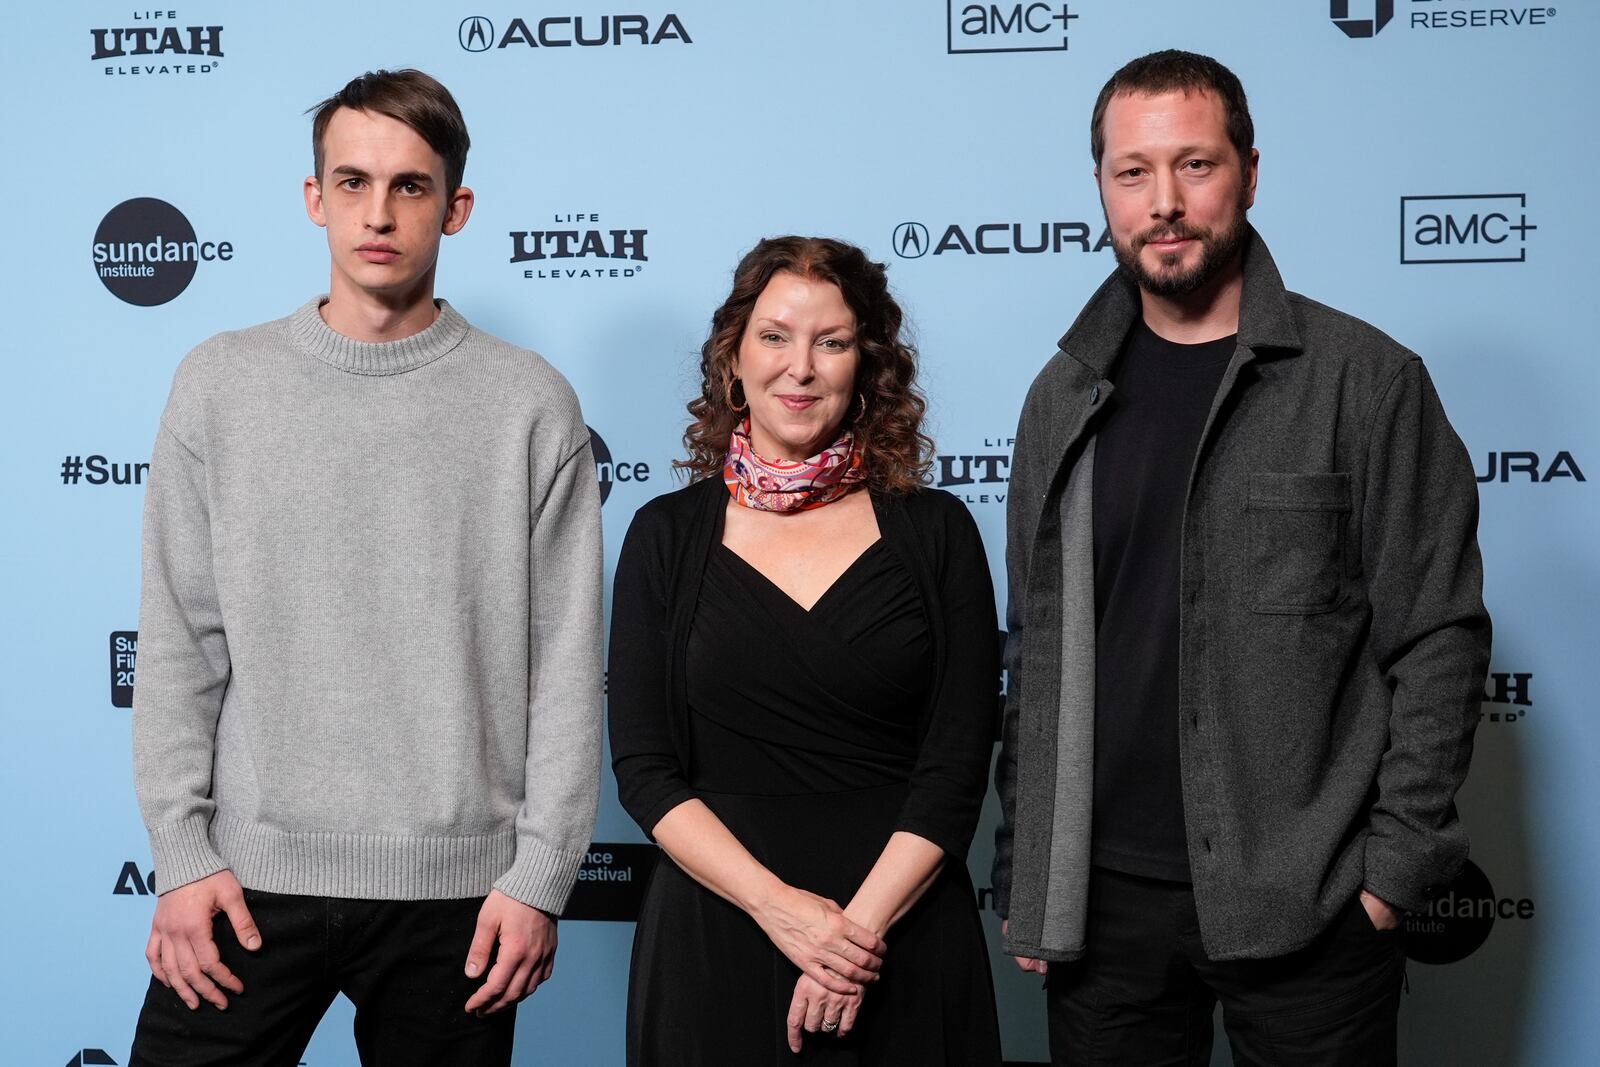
(367, 720)
(1246, 631)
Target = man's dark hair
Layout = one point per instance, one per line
(1174, 71)
(408, 96)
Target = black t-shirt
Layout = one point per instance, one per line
(1143, 454)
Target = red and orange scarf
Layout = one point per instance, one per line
(781, 485)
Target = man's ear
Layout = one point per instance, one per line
(458, 211)
(313, 194)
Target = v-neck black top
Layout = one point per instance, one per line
(660, 577)
(793, 700)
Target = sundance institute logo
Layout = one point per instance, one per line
(609, 471)
(146, 251)
(1459, 919)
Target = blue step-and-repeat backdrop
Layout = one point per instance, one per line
(1420, 164)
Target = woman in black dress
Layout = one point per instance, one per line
(803, 683)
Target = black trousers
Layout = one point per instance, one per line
(400, 962)
(1144, 992)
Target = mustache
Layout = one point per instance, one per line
(1171, 231)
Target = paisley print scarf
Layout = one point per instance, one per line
(781, 485)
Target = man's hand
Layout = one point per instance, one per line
(181, 952)
(1026, 963)
(527, 953)
(1378, 910)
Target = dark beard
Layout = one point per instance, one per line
(1216, 252)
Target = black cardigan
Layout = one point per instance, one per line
(658, 580)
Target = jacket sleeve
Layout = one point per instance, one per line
(562, 769)
(651, 779)
(1020, 515)
(183, 668)
(952, 767)
(1430, 635)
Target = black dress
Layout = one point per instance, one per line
(802, 726)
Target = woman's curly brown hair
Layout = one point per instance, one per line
(887, 422)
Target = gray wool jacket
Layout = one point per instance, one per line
(1333, 638)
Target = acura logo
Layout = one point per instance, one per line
(476, 33)
(911, 240)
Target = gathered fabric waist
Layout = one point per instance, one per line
(822, 842)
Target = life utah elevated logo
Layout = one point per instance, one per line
(580, 245)
(479, 33)
(156, 44)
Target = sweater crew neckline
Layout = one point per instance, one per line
(312, 335)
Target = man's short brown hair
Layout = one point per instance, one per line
(408, 96)
(1174, 71)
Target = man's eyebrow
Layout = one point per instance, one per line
(416, 177)
(1198, 148)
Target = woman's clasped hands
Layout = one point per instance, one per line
(837, 957)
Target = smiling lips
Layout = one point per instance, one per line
(376, 252)
(797, 401)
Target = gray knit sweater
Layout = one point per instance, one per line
(370, 626)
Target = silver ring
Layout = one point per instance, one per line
(828, 1027)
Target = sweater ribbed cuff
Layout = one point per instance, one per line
(540, 877)
(183, 853)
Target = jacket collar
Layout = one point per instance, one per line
(1266, 322)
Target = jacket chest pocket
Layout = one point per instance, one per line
(1296, 525)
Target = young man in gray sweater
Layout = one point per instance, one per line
(367, 724)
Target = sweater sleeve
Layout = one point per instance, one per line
(952, 768)
(184, 667)
(563, 755)
(651, 780)
(1430, 635)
